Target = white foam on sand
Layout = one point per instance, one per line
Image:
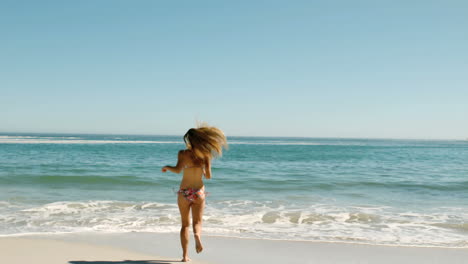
(247, 219)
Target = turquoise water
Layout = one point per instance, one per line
(395, 192)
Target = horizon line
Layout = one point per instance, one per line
(305, 137)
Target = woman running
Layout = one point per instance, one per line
(203, 144)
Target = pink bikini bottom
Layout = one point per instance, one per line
(192, 194)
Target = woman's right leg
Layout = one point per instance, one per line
(197, 216)
(184, 209)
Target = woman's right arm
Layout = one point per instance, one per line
(208, 169)
(177, 168)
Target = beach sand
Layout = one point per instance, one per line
(150, 248)
(51, 251)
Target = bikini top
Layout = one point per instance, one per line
(195, 166)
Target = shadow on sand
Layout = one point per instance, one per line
(125, 262)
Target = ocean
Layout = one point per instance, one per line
(373, 191)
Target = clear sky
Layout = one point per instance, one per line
(385, 69)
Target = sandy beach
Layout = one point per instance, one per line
(22, 250)
(150, 248)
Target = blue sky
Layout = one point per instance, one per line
(378, 69)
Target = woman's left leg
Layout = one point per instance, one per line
(184, 208)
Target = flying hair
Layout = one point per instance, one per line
(206, 142)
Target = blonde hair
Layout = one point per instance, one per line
(206, 142)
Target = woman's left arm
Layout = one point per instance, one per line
(177, 168)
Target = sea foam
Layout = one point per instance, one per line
(249, 219)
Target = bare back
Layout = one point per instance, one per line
(193, 171)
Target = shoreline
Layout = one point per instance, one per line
(79, 233)
(123, 248)
(339, 242)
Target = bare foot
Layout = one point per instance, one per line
(186, 259)
(198, 244)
